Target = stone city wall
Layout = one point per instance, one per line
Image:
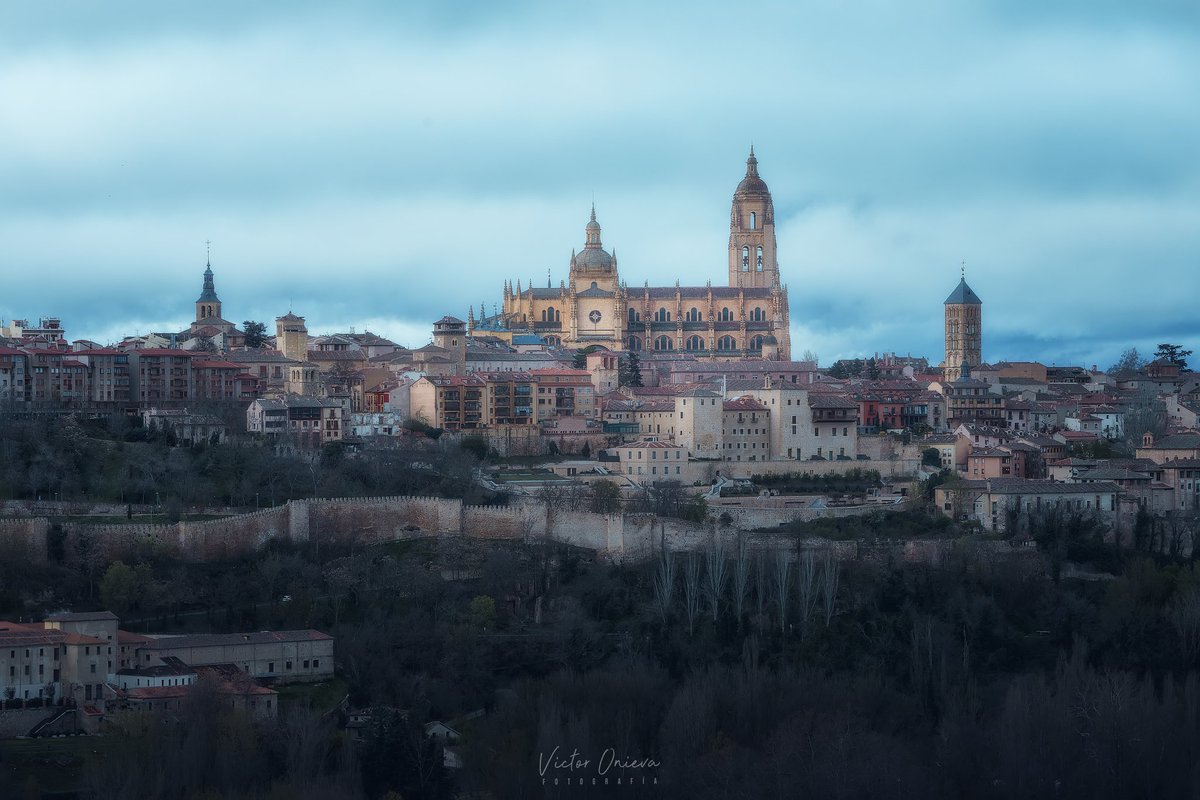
(24, 538)
(368, 520)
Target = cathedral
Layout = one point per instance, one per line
(747, 318)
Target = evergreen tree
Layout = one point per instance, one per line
(256, 333)
(629, 371)
(1175, 354)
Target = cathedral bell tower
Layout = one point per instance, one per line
(752, 233)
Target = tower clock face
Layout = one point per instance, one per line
(594, 316)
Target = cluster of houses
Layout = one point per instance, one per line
(1011, 430)
(83, 665)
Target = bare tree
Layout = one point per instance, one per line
(829, 585)
(741, 578)
(716, 574)
(762, 585)
(783, 587)
(691, 590)
(806, 585)
(1184, 616)
(664, 584)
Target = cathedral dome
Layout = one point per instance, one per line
(593, 254)
(593, 257)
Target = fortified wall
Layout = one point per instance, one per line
(24, 538)
(370, 520)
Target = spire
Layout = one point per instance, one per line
(208, 294)
(593, 232)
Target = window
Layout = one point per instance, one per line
(287, 665)
(316, 663)
(758, 263)
(756, 342)
(634, 316)
(693, 315)
(753, 220)
(93, 668)
(662, 315)
(635, 343)
(726, 343)
(745, 259)
(270, 666)
(695, 343)
(757, 315)
(664, 343)
(725, 316)
(306, 663)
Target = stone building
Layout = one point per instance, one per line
(209, 324)
(748, 317)
(964, 330)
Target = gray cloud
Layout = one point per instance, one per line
(387, 165)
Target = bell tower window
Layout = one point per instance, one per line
(745, 259)
(759, 262)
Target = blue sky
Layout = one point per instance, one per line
(377, 165)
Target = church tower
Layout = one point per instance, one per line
(752, 233)
(964, 331)
(209, 305)
(291, 336)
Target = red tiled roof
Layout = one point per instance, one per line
(164, 351)
(746, 403)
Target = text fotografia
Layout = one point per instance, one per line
(558, 768)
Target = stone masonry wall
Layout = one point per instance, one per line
(24, 538)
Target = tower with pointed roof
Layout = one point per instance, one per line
(208, 305)
(752, 262)
(964, 331)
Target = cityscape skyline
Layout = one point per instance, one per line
(1053, 151)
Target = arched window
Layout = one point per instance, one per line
(726, 315)
(553, 341)
(550, 315)
(695, 343)
(745, 259)
(662, 315)
(759, 262)
(693, 315)
(635, 343)
(634, 316)
(726, 343)
(756, 342)
(753, 220)
(757, 315)
(664, 343)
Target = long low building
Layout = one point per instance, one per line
(990, 501)
(279, 656)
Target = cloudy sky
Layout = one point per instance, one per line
(377, 165)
